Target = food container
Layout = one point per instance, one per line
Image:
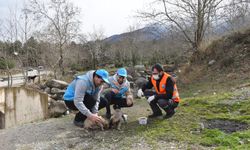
(143, 120)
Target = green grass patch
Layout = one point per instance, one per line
(218, 138)
(237, 140)
(185, 125)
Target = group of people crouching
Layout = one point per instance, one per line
(85, 94)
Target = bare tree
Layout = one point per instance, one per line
(10, 26)
(133, 46)
(191, 17)
(10, 35)
(237, 14)
(62, 22)
(95, 45)
(194, 17)
(25, 23)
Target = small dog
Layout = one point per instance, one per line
(92, 125)
(116, 119)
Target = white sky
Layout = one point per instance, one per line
(113, 16)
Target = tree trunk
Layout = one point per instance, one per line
(200, 26)
(61, 61)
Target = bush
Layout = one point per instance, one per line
(4, 63)
(76, 67)
(226, 62)
(118, 64)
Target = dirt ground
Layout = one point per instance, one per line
(60, 133)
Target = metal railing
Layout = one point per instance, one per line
(10, 78)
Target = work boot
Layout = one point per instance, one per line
(169, 114)
(79, 123)
(155, 115)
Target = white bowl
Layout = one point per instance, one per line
(143, 120)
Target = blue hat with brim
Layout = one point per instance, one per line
(122, 72)
(103, 74)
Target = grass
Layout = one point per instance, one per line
(237, 140)
(185, 126)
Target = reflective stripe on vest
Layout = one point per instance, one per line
(162, 87)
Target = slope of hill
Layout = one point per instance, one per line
(226, 58)
(148, 33)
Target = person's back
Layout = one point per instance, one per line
(83, 94)
(86, 80)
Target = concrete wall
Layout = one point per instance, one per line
(2, 100)
(22, 105)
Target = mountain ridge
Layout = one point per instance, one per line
(147, 33)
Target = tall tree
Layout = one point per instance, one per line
(96, 46)
(62, 23)
(237, 14)
(31, 47)
(191, 17)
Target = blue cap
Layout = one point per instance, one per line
(122, 72)
(103, 74)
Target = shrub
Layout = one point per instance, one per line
(226, 62)
(76, 67)
(4, 63)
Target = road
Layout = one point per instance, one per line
(18, 79)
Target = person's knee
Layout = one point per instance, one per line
(89, 101)
(103, 103)
(109, 95)
(163, 103)
(88, 97)
(104, 100)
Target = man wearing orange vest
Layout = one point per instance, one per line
(166, 95)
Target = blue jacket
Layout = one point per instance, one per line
(123, 88)
(78, 88)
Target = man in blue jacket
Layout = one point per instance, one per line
(119, 93)
(83, 94)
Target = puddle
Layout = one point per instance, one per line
(20, 105)
(227, 126)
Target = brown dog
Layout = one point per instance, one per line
(116, 119)
(93, 125)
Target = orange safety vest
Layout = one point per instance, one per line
(162, 88)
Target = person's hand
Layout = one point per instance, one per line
(140, 93)
(94, 118)
(150, 98)
(115, 91)
(129, 100)
(171, 102)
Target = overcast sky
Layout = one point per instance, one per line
(114, 16)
